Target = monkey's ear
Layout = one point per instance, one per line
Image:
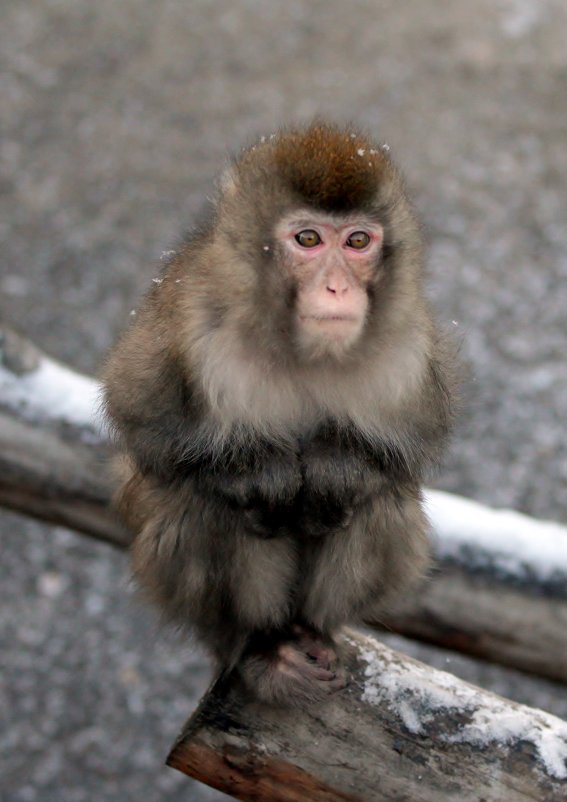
(227, 182)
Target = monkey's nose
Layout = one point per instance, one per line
(337, 288)
(336, 282)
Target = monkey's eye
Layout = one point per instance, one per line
(308, 238)
(358, 240)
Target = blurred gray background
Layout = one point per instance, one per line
(116, 117)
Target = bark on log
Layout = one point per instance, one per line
(57, 479)
(400, 731)
(469, 612)
(54, 466)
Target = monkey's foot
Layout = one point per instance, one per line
(297, 671)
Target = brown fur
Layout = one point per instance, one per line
(270, 491)
(330, 169)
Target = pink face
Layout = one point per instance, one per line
(332, 260)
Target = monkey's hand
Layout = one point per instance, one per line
(259, 486)
(340, 474)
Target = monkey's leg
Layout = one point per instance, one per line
(296, 666)
(193, 557)
(360, 570)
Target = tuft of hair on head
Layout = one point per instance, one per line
(331, 168)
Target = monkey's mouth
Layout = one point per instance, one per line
(330, 318)
(328, 332)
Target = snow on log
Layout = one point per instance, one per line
(499, 589)
(503, 543)
(54, 455)
(399, 731)
(39, 389)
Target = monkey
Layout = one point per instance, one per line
(277, 401)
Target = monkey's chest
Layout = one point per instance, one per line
(309, 488)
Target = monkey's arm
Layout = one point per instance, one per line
(162, 423)
(258, 479)
(341, 472)
(147, 399)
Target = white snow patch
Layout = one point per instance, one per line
(157, 280)
(510, 541)
(419, 694)
(361, 151)
(409, 717)
(53, 392)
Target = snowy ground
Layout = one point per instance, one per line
(116, 117)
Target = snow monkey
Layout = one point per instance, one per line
(277, 399)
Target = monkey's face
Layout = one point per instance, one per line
(332, 261)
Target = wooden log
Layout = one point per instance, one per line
(502, 596)
(499, 589)
(400, 731)
(487, 618)
(54, 455)
(57, 479)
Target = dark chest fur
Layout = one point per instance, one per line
(311, 488)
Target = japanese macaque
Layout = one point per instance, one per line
(277, 398)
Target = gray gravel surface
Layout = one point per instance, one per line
(115, 119)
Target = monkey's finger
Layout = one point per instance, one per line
(339, 682)
(291, 659)
(317, 649)
(306, 672)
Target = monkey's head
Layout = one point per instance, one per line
(324, 241)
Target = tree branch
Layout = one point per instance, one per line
(54, 454)
(499, 589)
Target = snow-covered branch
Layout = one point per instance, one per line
(400, 730)
(54, 456)
(500, 543)
(499, 589)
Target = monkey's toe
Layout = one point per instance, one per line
(318, 647)
(293, 661)
(306, 679)
(297, 672)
